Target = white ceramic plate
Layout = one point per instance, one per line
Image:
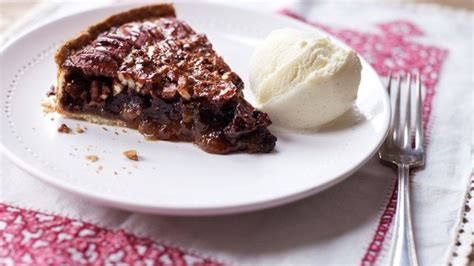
(178, 178)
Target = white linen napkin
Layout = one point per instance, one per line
(335, 226)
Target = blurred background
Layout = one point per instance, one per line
(14, 13)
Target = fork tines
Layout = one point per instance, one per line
(403, 128)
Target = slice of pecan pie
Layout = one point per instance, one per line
(145, 69)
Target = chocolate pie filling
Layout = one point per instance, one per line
(165, 80)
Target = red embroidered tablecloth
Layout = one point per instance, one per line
(348, 224)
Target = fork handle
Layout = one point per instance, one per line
(403, 245)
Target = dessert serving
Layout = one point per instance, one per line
(302, 79)
(147, 70)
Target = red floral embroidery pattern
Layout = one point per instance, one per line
(392, 51)
(29, 237)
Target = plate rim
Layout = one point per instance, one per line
(112, 201)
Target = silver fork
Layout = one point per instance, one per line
(401, 149)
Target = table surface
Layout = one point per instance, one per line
(14, 12)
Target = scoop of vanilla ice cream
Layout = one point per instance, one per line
(302, 79)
